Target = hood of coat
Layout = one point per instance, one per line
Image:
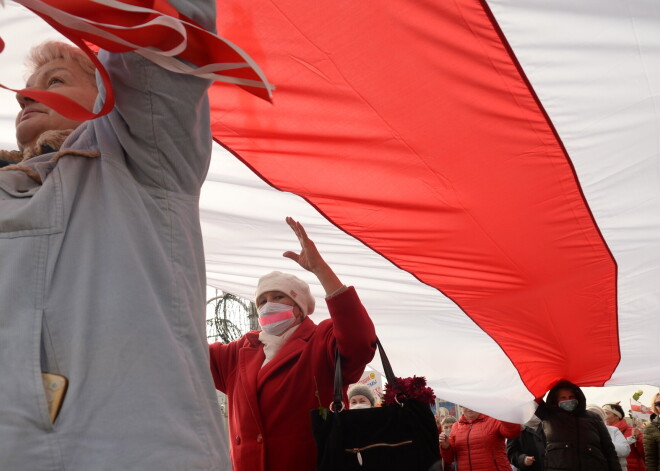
(564, 384)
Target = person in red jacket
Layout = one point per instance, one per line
(477, 442)
(616, 418)
(273, 378)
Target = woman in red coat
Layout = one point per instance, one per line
(477, 442)
(273, 378)
(614, 417)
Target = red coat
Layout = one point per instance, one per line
(269, 407)
(479, 445)
(636, 457)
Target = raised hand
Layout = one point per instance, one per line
(310, 259)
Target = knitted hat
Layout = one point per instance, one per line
(361, 390)
(290, 285)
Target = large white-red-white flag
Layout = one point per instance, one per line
(487, 173)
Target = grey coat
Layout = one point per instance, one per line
(103, 281)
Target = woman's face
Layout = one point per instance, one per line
(62, 76)
(280, 298)
(470, 414)
(447, 427)
(610, 418)
(565, 395)
(656, 404)
(358, 399)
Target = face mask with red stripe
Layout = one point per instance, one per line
(276, 318)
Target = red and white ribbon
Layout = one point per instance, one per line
(153, 29)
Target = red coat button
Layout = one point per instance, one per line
(260, 438)
(238, 440)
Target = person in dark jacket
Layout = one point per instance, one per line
(652, 437)
(527, 451)
(577, 439)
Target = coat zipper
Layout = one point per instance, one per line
(468, 446)
(374, 445)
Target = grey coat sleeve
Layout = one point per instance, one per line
(160, 127)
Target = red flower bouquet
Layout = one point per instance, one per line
(414, 388)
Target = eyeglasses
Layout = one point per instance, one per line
(657, 403)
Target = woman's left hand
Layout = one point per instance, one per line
(310, 259)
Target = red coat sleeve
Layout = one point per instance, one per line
(448, 453)
(509, 430)
(224, 357)
(354, 334)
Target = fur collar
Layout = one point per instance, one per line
(50, 141)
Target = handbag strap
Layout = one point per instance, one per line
(387, 367)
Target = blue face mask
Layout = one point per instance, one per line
(568, 406)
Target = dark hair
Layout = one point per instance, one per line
(617, 408)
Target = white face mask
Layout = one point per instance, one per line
(360, 406)
(276, 318)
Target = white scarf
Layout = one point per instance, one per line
(273, 343)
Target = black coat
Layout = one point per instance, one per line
(530, 442)
(577, 440)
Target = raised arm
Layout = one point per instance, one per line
(310, 259)
(353, 331)
(161, 118)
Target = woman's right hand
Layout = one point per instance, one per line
(444, 441)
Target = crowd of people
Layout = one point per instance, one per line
(114, 203)
(565, 433)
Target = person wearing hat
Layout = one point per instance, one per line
(615, 417)
(360, 397)
(273, 378)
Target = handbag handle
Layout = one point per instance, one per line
(387, 367)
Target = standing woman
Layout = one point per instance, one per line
(273, 378)
(620, 443)
(652, 437)
(577, 439)
(102, 274)
(615, 417)
(477, 442)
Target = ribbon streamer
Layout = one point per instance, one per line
(151, 28)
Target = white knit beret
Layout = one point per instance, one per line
(290, 285)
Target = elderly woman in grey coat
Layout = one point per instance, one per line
(103, 277)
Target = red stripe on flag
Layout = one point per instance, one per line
(411, 128)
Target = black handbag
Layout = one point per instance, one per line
(402, 436)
